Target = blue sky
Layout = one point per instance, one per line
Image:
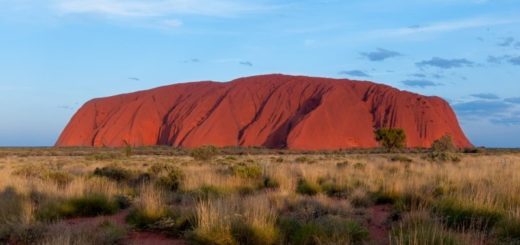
(57, 54)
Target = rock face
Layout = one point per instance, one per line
(274, 111)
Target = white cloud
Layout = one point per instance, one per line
(173, 23)
(153, 8)
(440, 27)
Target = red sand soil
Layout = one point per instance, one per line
(133, 237)
(378, 227)
(274, 111)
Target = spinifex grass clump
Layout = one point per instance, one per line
(248, 171)
(172, 179)
(323, 230)
(150, 207)
(249, 220)
(466, 215)
(204, 153)
(90, 205)
(306, 187)
(115, 173)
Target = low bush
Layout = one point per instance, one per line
(211, 237)
(247, 233)
(359, 166)
(466, 215)
(335, 190)
(305, 187)
(204, 153)
(86, 206)
(60, 178)
(209, 191)
(401, 158)
(323, 230)
(270, 183)
(114, 173)
(109, 233)
(246, 171)
(507, 231)
(422, 229)
(342, 165)
(172, 181)
(304, 159)
(161, 168)
(22, 233)
(145, 220)
(175, 224)
(103, 156)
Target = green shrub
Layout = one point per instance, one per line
(17, 233)
(212, 237)
(11, 204)
(244, 233)
(392, 139)
(270, 183)
(303, 159)
(160, 168)
(109, 233)
(466, 215)
(122, 201)
(323, 230)
(142, 220)
(172, 180)
(306, 187)
(247, 171)
(335, 190)
(384, 197)
(114, 173)
(401, 158)
(60, 178)
(171, 222)
(204, 153)
(359, 166)
(508, 231)
(128, 150)
(342, 165)
(86, 206)
(308, 208)
(209, 191)
(103, 156)
(28, 172)
(443, 150)
(423, 230)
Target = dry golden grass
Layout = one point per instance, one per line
(422, 192)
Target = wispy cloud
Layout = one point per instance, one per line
(440, 27)
(508, 121)
(154, 8)
(482, 108)
(486, 96)
(515, 100)
(420, 83)
(380, 54)
(246, 63)
(515, 60)
(507, 42)
(354, 73)
(445, 63)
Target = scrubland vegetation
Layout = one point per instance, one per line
(207, 197)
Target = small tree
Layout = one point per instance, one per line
(444, 144)
(204, 153)
(392, 139)
(443, 149)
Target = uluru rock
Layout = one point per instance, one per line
(273, 111)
